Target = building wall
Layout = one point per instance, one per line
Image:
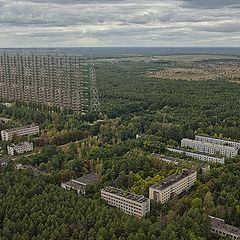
(199, 156)
(165, 194)
(7, 135)
(218, 226)
(21, 148)
(236, 145)
(126, 205)
(223, 233)
(10, 150)
(69, 187)
(209, 148)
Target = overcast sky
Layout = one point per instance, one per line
(83, 23)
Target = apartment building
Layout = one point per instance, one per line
(199, 156)
(7, 134)
(80, 184)
(175, 184)
(129, 203)
(223, 142)
(219, 227)
(209, 148)
(20, 148)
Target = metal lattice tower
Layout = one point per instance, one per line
(94, 98)
(46, 80)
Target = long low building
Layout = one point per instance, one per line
(218, 141)
(209, 148)
(20, 148)
(80, 184)
(199, 156)
(175, 184)
(8, 134)
(129, 203)
(219, 227)
(166, 159)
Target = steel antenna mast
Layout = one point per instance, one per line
(94, 98)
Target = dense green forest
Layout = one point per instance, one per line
(206, 106)
(71, 145)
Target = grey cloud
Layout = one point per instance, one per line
(111, 22)
(74, 2)
(211, 4)
(223, 28)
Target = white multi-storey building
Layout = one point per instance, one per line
(199, 156)
(20, 148)
(219, 227)
(7, 134)
(224, 142)
(175, 184)
(210, 148)
(129, 203)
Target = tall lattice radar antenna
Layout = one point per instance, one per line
(94, 97)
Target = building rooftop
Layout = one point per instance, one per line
(81, 182)
(209, 144)
(220, 139)
(124, 194)
(206, 154)
(171, 180)
(18, 128)
(87, 179)
(220, 223)
(196, 152)
(20, 144)
(165, 158)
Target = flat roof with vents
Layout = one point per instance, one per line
(167, 159)
(171, 180)
(20, 128)
(124, 194)
(221, 225)
(83, 181)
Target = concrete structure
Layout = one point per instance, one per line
(166, 159)
(35, 170)
(54, 81)
(3, 161)
(129, 203)
(175, 184)
(205, 169)
(20, 148)
(5, 120)
(223, 142)
(8, 105)
(81, 183)
(19, 166)
(199, 156)
(7, 134)
(210, 148)
(219, 227)
(140, 136)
